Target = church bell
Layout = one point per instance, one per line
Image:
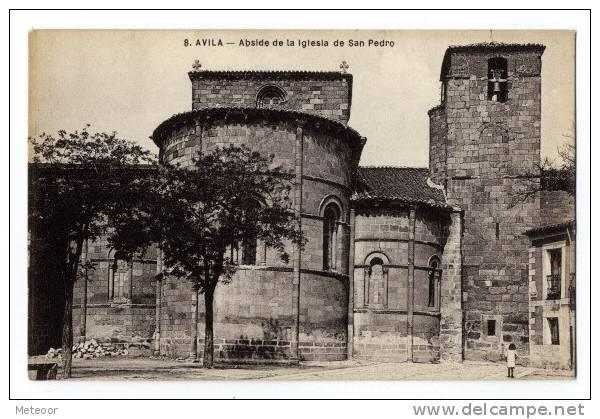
(497, 89)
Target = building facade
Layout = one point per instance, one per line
(552, 295)
(402, 264)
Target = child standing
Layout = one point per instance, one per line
(511, 356)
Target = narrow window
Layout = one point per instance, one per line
(553, 326)
(234, 254)
(443, 91)
(434, 275)
(376, 282)
(120, 278)
(491, 327)
(554, 279)
(497, 230)
(330, 220)
(249, 251)
(497, 79)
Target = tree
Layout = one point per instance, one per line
(227, 197)
(550, 176)
(78, 181)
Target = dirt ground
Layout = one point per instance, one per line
(163, 369)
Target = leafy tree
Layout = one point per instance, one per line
(229, 196)
(78, 181)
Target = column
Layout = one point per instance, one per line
(194, 343)
(111, 282)
(299, 155)
(261, 253)
(130, 276)
(350, 270)
(411, 284)
(451, 320)
(385, 286)
(84, 293)
(334, 247)
(159, 273)
(366, 278)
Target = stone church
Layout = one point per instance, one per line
(402, 264)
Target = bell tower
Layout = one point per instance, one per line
(484, 139)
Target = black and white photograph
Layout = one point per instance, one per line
(401, 206)
(300, 204)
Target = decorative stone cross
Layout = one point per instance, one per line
(196, 66)
(344, 67)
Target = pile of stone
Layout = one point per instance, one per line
(54, 353)
(90, 349)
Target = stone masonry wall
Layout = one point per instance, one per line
(381, 329)
(254, 317)
(326, 95)
(438, 134)
(323, 316)
(489, 145)
(251, 316)
(556, 207)
(129, 321)
(451, 310)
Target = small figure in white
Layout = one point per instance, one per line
(511, 357)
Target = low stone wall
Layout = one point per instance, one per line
(383, 337)
(323, 351)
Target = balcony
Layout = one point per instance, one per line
(553, 289)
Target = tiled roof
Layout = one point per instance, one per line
(295, 74)
(405, 184)
(496, 46)
(548, 228)
(250, 114)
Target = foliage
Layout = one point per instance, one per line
(197, 214)
(79, 178)
(77, 182)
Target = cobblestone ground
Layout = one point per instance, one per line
(158, 369)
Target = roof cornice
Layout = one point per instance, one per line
(252, 114)
(263, 74)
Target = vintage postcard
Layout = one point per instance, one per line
(302, 205)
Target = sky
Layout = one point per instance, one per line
(130, 81)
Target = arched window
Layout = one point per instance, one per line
(331, 216)
(120, 278)
(249, 251)
(434, 280)
(376, 283)
(497, 79)
(376, 280)
(270, 96)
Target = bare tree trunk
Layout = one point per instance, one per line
(67, 334)
(70, 276)
(208, 328)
